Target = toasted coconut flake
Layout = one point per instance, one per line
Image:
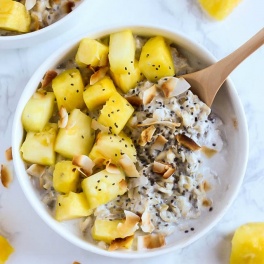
(111, 168)
(84, 224)
(128, 166)
(130, 225)
(208, 152)
(150, 241)
(36, 170)
(63, 114)
(98, 75)
(85, 163)
(146, 135)
(187, 142)
(95, 125)
(168, 173)
(164, 123)
(149, 94)
(134, 100)
(5, 175)
(146, 224)
(123, 184)
(159, 143)
(120, 243)
(8, 154)
(29, 4)
(174, 86)
(161, 168)
(49, 76)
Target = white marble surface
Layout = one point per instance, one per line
(33, 241)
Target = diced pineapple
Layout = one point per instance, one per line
(91, 52)
(105, 230)
(72, 205)
(5, 250)
(122, 49)
(115, 113)
(14, 16)
(65, 177)
(68, 89)
(128, 80)
(102, 187)
(248, 244)
(38, 147)
(38, 111)
(156, 60)
(77, 137)
(97, 94)
(111, 147)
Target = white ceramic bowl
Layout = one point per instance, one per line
(44, 34)
(231, 167)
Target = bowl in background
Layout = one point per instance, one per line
(230, 165)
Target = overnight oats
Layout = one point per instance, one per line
(24, 16)
(116, 140)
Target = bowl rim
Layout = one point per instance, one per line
(28, 190)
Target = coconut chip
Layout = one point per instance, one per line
(146, 224)
(134, 100)
(130, 225)
(146, 135)
(173, 86)
(149, 94)
(64, 117)
(161, 168)
(152, 121)
(111, 168)
(150, 241)
(49, 76)
(128, 166)
(36, 170)
(98, 75)
(187, 142)
(95, 125)
(121, 243)
(85, 163)
(29, 4)
(159, 143)
(8, 154)
(5, 176)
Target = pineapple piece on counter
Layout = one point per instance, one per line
(97, 94)
(111, 147)
(91, 52)
(122, 48)
(65, 177)
(72, 205)
(105, 230)
(38, 147)
(248, 244)
(128, 80)
(77, 137)
(115, 113)
(5, 250)
(38, 111)
(68, 89)
(102, 187)
(14, 16)
(156, 60)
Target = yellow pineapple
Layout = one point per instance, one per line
(68, 89)
(102, 187)
(38, 147)
(115, 113)
(5, 250)
(38, 111)
(71, 205)
(14, 16)
(156, 60)
(65, 177)
(97, 94)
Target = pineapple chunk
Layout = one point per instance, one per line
(115, 113)
(97, 94)
(5, 250)
(105, 230)
(91, 52)
(122, 48)
(156, 60)
(127, 81)
(38, 111)
(102, 187)
(77, 137)
(72, 205)
(65, 177)
(38, 147)
(14, 16)
(68, 89)
(248, 244)
(111, 147)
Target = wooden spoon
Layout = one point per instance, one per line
(206, 83)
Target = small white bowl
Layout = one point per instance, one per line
(231, 167)
(44, 34)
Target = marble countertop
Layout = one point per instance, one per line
(34, 242)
